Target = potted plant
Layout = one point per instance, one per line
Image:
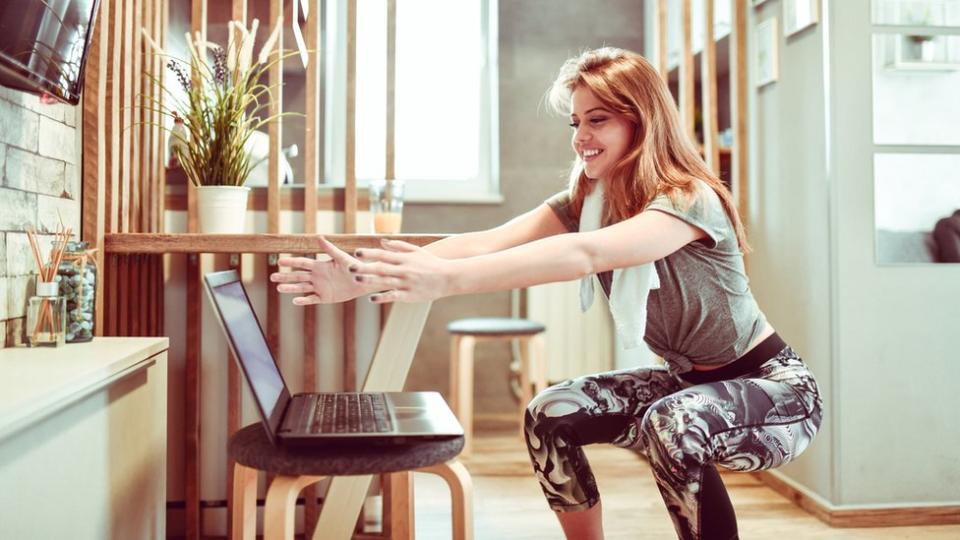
(219, 109)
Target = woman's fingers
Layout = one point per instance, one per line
(335, 253)
(307, 300)
(290, 277)
(378, 255)
(303, 263)
(387, 297)
(377, 269)
(399, 245)
(297, 288)
(378, 282)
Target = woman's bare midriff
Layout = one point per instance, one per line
(767, 332)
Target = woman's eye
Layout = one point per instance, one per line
(574, 125)
(599, 120)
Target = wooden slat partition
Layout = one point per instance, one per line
(135, 126)
(95, 122)
(708, 91)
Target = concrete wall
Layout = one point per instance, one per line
(39, 185)
(536, 36)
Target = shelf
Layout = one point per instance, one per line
(144, 243)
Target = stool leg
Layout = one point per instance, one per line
(525, 391)
(281, 505)
(398, 518)
(540, 363)
(244, 525)
(464, 392)
(461, 495)
(455, 374)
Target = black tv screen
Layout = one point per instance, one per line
(43, 45)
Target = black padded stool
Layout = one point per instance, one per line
(296, 469)
(465, 333)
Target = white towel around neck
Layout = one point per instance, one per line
(630, 287)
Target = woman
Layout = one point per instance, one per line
(731, 392)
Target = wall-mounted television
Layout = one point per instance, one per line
(44, 44)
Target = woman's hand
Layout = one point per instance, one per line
(320, 282)
(404, 271)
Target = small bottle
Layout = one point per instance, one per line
(46, 315)
(179, 138)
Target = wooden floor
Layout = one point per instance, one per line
(509, 504)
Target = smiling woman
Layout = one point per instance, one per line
(648, 217)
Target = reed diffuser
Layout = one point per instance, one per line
(46, 311)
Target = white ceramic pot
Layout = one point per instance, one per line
(222, 209)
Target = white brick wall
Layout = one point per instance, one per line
(39, 186)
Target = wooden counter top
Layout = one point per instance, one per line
(249, 243)
(35, 383)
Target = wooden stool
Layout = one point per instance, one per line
(296, 469)
(465, 334)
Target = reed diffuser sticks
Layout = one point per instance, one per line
(47, 274)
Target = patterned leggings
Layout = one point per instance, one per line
(755, 421)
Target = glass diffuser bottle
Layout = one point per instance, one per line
(46, 315)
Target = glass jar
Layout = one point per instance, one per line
(46, 314)
(77, 277)
(386, 205)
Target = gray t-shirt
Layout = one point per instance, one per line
(703, 313)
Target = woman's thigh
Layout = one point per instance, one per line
(743, 424)
(603, 407)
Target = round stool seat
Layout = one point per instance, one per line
(495, 326)
(250, 447)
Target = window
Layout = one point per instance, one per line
(445, 97)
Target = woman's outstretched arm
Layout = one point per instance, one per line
(329, 281)
(408, 273)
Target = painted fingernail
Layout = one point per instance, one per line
(374, 297)
(352, 268)
(358, 253)
(358, 278)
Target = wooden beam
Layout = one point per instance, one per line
(349, 317)
(192, 399)
(94, 119)
(164, 19)
(275, 127)
(390, 172)
(146, 118)
(126, 144)
(136, 116)
(114, 120)
(661, 33)
(198, 23)
(687, 105)
(708, 92)
(738, 117)
(249, 243)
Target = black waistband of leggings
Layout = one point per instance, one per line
(765, 350)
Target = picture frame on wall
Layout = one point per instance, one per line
(799, 15)
(767, 63)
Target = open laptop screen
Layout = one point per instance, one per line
(249, 345)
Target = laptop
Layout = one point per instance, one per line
(316, 419)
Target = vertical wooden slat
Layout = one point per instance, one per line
(114, 98)
(661, 32)
(738, 117)
(112, 293)
(127, 118)
(94, 150)
(275, 127)
(143, 291)
(708, 92)
(350, 196)
(192, 396)
(123, 295)
(198, 23)
(160, 190)
(192, 373)
(136, 112)
(146, 117)
(312, 178)
(239, 11)
(687, 105)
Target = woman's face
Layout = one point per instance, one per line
(600, 137)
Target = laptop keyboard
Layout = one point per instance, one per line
(351, 413)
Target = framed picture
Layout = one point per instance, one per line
(767, 61)
(799, 14)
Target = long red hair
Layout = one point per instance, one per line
(660, 159)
